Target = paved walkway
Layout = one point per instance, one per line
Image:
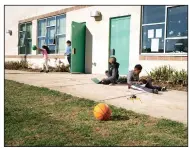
(171, 104)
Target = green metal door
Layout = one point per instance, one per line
(119, 42)
(78, 47)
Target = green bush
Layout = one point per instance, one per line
(162, 73)
(60, 68)
(122, 79)
(16, 65)
(23, 65)
(169, 74)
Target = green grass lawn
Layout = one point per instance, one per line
(37, 116)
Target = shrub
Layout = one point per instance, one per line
(59, 68)
(23, 65)
(122, 79)
(162, 73)
(170, 75)
(179, 77)
(16, 65)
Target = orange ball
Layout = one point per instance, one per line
(102, 112)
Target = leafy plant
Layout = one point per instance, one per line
(16, 65)
(161, 73)
(122, 79)
(179, 77)
(23, 65)
(60, 66)
(169, 74)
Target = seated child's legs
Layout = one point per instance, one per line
(150, 86)
(106, 82)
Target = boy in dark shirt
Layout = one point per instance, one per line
(112, 74)
(133, 80)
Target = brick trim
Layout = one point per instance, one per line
(164, 58)
(33, 56)
(58, 12)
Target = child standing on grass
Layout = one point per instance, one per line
(134, 82)
(45, 51)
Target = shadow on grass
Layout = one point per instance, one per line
(119, 118)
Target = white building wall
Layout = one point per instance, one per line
(15, 13)
(99, 38)
(97, 35)
(100, 33)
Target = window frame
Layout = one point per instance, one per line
(19, 31)
(165, 35)
(47, 26)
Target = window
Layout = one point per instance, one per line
(177, 30)
(52, 32)
(25, 38)
(153, 14)
(164, 29)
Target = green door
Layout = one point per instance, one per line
(78, 47)
(119, 42)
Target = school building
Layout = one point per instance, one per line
(148, 35)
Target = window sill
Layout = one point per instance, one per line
(163, 57)
(165, 54)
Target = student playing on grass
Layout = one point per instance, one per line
(134, 82)
(45, 51)
(112, 74)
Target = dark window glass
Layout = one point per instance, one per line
(22, 50)
(61, 40)
(41, 42)
(52, 49)
(22, 27)
(28, 46)
(25, 41)
(177, 21)
(153, 14)
(41, 27)
(52, 32)
(51, 21)
(149, 33)
(50, 35)
(29, 30)
(176, 46)
(61, 24)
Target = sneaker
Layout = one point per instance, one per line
(155, 91)
(42, 71)
(47, 71)
(111, 84)
(163, 88)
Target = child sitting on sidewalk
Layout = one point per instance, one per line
(112, 74)
(134, 82)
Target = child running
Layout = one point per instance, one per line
(45, 51)
(133, 81)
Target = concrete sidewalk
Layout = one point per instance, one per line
(171, 104)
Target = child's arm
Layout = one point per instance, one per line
(39, 49)
(129, 80)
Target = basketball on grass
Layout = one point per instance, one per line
(102, 112)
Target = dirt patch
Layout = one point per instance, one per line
(14, 143)
(101, 131)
